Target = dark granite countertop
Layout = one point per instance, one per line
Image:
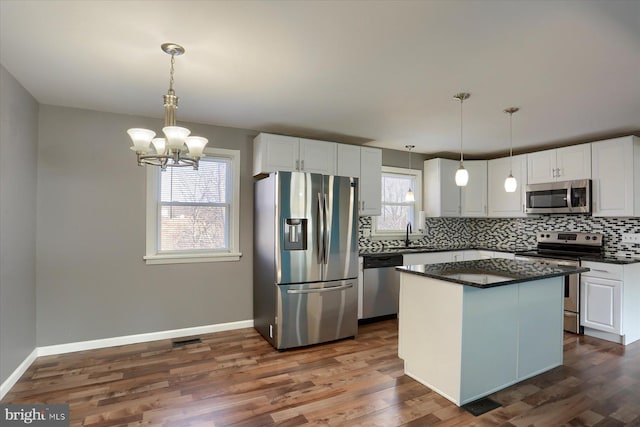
(611, 259)
(488, 273)
(390, 250)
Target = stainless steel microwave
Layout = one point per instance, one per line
(559, 197)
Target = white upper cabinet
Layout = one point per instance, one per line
(443, 198)
(501, 203)
(616, 177)
(561, 164)
(473, 196)
(348, 161)
(441, 194)
(273, 153)
(370, 181)
(317, 156)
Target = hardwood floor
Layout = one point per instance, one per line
(235, 378)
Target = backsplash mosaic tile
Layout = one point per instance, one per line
(513, 233)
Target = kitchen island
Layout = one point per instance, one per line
(468, 329)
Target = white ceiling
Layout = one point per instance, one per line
(377, 72)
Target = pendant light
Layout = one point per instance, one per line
(410, 197)
(462, 176)
(510, 184)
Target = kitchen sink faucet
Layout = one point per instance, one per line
(409, 230)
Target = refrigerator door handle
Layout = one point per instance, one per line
(321, 222)
(320, 290)
(327, 231)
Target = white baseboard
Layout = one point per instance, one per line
(608, 336)
(111, 342)
(15, 376)
(138, 338)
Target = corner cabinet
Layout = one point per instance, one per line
(273, 153)
(501, 203)
(608, 301)
(616, 177)
(443, 198)
(561, 164)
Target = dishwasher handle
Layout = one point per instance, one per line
(320, 290)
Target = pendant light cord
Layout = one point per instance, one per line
(461, 101)
(511, 144)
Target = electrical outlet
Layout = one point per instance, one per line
(630, 237)
(366, 233)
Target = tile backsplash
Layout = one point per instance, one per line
(513, 233)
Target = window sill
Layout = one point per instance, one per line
(191, 258)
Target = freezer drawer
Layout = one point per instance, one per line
(316, 312)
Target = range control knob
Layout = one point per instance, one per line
(595, 238)
(548, 236)
(587, 238)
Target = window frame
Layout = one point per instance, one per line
(152, 256)
(417, 206)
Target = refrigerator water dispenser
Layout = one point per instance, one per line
(295, 234)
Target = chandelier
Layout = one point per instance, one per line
(177, 148)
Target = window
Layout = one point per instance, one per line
(396, 212)
(193, 215)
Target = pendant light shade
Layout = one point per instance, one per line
(510, 184)
(410, 197)
(462, 176)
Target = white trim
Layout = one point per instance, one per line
(417, 205)
(17, 373)
(139, 338)
(115, 341)
(190, 258)
(153, 193)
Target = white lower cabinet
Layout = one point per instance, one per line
(426, 258)
(601, 304)
(450, 256)
(609, 298)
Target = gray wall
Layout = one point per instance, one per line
(92, 280)
(18, 144)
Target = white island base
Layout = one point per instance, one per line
(465, 342)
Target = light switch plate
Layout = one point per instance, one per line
(630, 237)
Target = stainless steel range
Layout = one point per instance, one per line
(566, 248)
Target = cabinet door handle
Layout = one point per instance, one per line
(297, 165)
(599, 271)
(302, 166)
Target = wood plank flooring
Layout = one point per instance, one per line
(235, 378)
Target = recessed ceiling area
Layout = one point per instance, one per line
(382, 73)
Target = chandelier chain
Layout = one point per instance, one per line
(173, 61)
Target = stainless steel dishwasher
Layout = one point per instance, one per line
(381, 285)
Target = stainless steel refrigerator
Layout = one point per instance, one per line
(305, 258)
